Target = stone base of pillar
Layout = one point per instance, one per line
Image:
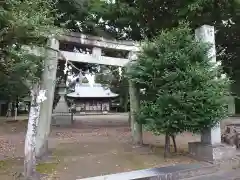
(211, 153)
(62, 119)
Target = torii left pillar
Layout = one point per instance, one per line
(48, 84)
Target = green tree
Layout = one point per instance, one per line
(184, 91)
(22, 23)
(31, 23)
(82, 16)
(140, 19)
(109, 76)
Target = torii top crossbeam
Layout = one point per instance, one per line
(101, 42)
(98, 44)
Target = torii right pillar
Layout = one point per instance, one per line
(210, 147)
(136, 128)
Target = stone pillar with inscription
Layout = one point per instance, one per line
(61, 114)
(210, 147)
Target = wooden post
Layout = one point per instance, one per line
(48, 84)
(134, 108)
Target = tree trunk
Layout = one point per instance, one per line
(174, 143)
(72, 120)
(167, 146)
(9, 110)
(134, 108)
(129, 118)
(13, 109)
(15, 113)
(126, 101)
(30, 141)
(16, 109)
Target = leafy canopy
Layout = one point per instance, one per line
(183, 89)
(138, 19)
(22, 22)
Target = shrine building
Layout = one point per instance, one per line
(91, 99)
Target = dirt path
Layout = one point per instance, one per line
(95, 145)
(108, 150)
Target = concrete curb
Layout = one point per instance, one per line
(178, 172)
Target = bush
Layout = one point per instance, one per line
(184, 90)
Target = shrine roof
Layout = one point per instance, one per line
(86, 91)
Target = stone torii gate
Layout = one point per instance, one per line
(98, 45)
(210, 147)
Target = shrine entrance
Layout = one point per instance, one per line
(78, 48)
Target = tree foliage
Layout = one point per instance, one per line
(82, 16)
(184, 90)
(29, 23)
(140, 19)
(118, 83)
